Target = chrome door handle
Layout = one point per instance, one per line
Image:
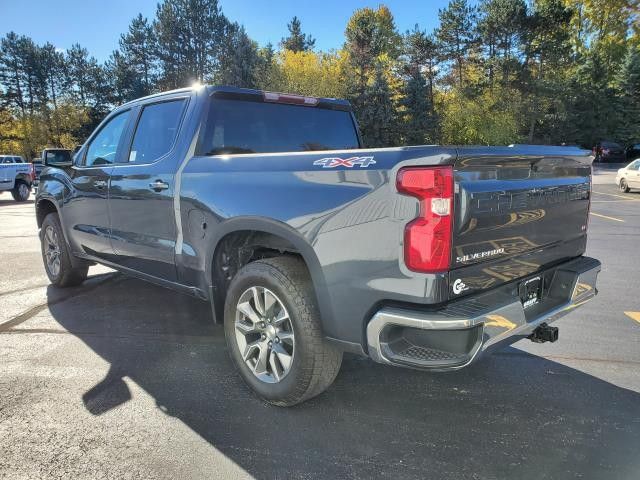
(158, 185)
(100, 184)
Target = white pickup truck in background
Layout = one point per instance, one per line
(17, 176)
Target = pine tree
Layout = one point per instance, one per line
(53, 68)
(547, 54)
(267, 70)
(373, 45)
(500, 29)
(456, 34)
(629, 96)
(78, 63)
(239, 59)
(418, 126)
(189, 36)
(297, 41)
(138, 46)
(421, 53)
(52, 79)
(11, 73)
(376, 114)
(122, 77)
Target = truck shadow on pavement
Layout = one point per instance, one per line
(11, 201)
(513, 415)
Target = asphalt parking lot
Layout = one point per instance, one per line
(122, 379)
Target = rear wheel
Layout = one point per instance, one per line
(273, 333)
(56, 255)
(623, 186)
(21, 191)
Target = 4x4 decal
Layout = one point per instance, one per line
(332, 162)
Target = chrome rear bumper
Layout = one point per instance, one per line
(453, 337)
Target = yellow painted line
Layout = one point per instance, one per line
(608, 218)
(633, 316)
(619, 196)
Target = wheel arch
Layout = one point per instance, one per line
(44, 207)
(23, 177)
(261, 237)
(47, 205)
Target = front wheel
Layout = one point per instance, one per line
(273, 333)
(56, 255)
(623, 186)
(21, 191)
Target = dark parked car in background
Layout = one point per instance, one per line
(38, 166)
(633, 151)
(609, 152)
(51, 155)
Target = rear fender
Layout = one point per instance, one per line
(273, 227)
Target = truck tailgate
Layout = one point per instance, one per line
(516, 215)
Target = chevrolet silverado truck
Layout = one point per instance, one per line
(16, 176)
(308, 245)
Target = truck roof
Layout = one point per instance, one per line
(224, 89)
(325, 101)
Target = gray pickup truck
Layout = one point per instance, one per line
(308, 245)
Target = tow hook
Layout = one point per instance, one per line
(544, 333)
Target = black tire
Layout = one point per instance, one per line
(21, 191)
(315, 362)
(623, 186)
(67, 276)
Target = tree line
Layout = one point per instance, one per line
(492, 72)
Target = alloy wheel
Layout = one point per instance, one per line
(23, 191)
(52, 250)
(264, 334)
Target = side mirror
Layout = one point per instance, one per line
(57, 158)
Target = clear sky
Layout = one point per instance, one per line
(97, 24)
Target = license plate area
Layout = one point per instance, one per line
(530, 292)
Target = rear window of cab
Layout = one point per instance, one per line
(238, 126)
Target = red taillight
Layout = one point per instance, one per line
(427, 239)
(288, 98)
(32, 172)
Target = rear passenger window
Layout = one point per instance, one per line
(156, 131)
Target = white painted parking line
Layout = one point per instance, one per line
(619, 196)
(608, 218)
